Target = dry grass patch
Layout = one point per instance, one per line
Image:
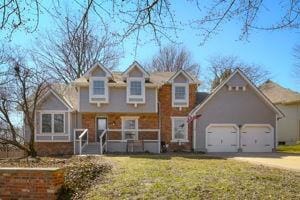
(193, 177)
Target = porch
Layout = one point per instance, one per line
(117, 141)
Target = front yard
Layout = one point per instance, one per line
(173, 176)
(189, 176)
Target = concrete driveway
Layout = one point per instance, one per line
(278, 160)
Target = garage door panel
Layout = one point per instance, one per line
(257, 138)
(222, 138)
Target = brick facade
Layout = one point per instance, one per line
(54, 148)
(167, 111)
(31, 184)
(145, 121)
(114, 121)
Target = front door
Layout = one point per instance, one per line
(101, 125)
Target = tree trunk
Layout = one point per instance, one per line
(31, 151)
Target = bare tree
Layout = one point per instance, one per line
(222, 67)
(297, 63)
(71, 49)
(172, 58)
(158, 16)
(21, 92)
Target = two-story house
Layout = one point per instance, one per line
(138, 111)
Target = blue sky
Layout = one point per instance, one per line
(272, 50)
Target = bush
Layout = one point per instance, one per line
(81, 175)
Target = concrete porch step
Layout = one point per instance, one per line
(91, 148)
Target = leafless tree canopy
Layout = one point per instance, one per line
(222, 66)
(71, 49)
(297, 62)
(158, 16)
(172, 58)
(22, 90)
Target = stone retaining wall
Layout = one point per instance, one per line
(30, 183)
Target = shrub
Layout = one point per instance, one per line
(81, 175)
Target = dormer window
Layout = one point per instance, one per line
(180, 94)
(135, 76)
(98, 90)
(180, 88)
(98, 87)
(135, 90)
(98, 77)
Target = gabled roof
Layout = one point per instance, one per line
(90, 70)
(136, 64)
(186, 74)
(60, 97)
(218, 88)
(278, 94)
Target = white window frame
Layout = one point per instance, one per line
(128, 95)
(136, 128)
(52, 123)
(186, 100)
(91, 89)
(185, 128)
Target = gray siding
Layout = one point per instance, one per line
(237, 80)
(180, 79)
(98, 72)
(117, 102)
(236, 107)
(135, 72)
(51, 102)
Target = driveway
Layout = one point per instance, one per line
(278, 160)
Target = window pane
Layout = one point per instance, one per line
(46, 123)
(130, 135)
(135, 88)
(98, 88)
(58, 123)
(130, 124)
(180, 92)
(179, 129)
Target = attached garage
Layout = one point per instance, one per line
(257, 138)
(222, 138)
(236, 116)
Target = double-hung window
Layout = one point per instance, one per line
(130, 128)
(180, 94)
(98, 87)
(135, 90)
(179, 129)
(53, 123)
(98, 92)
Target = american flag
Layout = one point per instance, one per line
(192, 118)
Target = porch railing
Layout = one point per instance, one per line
(158, 140)
(103, 141)
(81, 136)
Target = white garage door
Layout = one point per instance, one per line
(222, 138)
(257, 138)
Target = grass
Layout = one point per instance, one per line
(289, 148)
(193, 177)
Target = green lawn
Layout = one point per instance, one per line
(289, 148)
(193, 177)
